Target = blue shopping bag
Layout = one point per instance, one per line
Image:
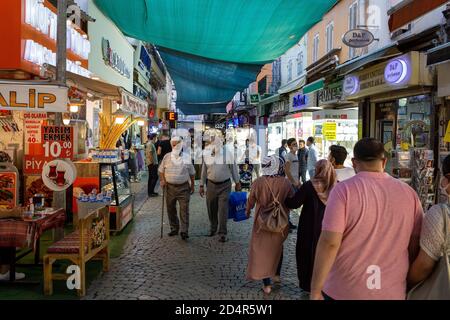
(237, 205)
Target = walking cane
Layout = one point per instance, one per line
(162, 211)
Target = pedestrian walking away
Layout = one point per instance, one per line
(152, 164)
(266, 248)
(312, 197)
(176, 170)
(302, 155)
(216, 175)
(313, 156)
(337, 156)
(370, 233)
(292, 171)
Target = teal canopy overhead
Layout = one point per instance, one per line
(242, 31)
(193, 109)
(205, 81)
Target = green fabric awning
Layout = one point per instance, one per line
(250, 31)
(314, 86)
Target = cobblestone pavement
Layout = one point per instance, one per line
(202, 268)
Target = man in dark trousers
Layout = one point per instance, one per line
(152, 162)
(302, 155)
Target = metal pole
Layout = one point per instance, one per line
(59, 198)
(162, 211)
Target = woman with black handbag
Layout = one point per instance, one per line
(313, 196)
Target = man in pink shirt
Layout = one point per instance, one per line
(370, 233)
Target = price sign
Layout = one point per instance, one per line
(329, 131)
(447, 133)
(57, 141)
(52, 142)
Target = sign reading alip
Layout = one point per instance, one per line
(45, 98)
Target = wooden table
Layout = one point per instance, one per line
(17, 233)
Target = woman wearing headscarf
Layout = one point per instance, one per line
(313, 196)
(266, 248)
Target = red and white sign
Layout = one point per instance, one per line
(44, 144)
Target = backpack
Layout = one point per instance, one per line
(273, 218)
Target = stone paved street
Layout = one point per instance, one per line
(202, 268)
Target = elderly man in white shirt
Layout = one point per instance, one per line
(217, 172)
(175, 171)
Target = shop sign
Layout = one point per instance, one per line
(300, 101)
(32, 126)
(56, 142)
(254, 98)
(404, 70)
(397, 71)
(358, 38)
(112, 59)
(133, 105)
(329, 131)
(43, 98)
(330, 94)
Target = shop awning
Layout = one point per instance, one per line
(97, 88)
(438, 55)
(269, 100)
(206, 108)
(206, 82)
(411, 10)
(252, 31)
(314, 86)
(292, 86)
(376, 56)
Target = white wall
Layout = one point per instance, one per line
(103, 27)
(291, 55)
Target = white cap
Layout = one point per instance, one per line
(176, 139)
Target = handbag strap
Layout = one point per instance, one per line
(445, 214)
(273, 195)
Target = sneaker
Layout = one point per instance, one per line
(5, 276)
(223, 238)
(172, 233)
(154, 194)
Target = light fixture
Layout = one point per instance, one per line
(74, 108)
(120, 116)
(140, 122)
(66, 119)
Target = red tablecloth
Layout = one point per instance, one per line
(24, 234)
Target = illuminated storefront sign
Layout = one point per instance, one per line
(43, 98)
(300, 100)
(134, 105)
(396, 71)
(351, 85)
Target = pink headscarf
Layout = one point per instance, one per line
(324, 180)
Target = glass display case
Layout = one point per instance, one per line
(114, 178)
(111, 177)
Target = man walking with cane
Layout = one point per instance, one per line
(175, 171)
(218, 173)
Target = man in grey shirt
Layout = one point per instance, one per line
(312, 157)
(292, 164)
(217, 174)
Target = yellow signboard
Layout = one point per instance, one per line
(329, 131)
(447, 133)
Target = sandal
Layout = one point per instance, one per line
(267, 289)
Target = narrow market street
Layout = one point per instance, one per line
(201, 268)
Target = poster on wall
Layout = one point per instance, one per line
(58, 175)
(45, 144)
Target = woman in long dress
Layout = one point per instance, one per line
(313, 196)
(266, 248)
